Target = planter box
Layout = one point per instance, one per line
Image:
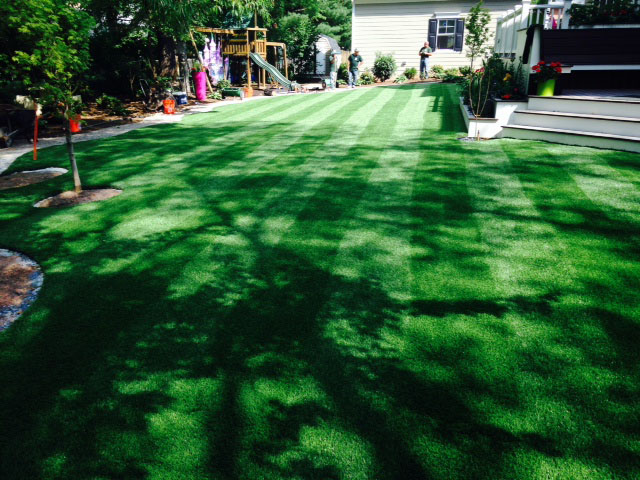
(491, 127)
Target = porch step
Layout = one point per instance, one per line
(573, 137)
(613, 107)
(607, 124)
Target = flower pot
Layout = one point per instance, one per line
(248, 92)
(200, 80)
(546, 87)
(74, 124)
(169, 106)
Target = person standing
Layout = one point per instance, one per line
(425, 52)
(354, 61)
(335, 64)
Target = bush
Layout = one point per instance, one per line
(366, 78)
(464, 71)
(112, 105)
(343, 72)
(384, 66)
(222, 84)
(410, 73)
(400, 79)
(437, 71)
(341, 82)
(451, 75)
(215, 95)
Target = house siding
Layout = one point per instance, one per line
(401, 28)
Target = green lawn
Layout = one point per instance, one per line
(328, 287)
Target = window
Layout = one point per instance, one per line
(446, 34)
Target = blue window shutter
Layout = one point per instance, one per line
(433, 29)
(459, 34)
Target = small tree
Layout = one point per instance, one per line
(300, 33)
(384, 66)
(48, 50)
(478, 27)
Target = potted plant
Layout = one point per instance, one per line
(546, 74)
(200, 81)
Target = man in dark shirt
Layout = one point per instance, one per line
(425, 52)
(354, 61)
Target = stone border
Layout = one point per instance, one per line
(8, 315)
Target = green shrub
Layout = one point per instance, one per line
(384, 66)
(112, 105)
(366, 78)
(343, 72)
(451, 75)
(464, 71)
(410, 73)
(437, 71)
(217, 95)
(341, 82)
(400, 79)
(222, 84)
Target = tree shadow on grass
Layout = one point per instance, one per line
(206, 351)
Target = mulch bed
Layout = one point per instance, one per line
(70, 199)
(22, 179)
(20, 282)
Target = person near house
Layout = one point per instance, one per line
(354, 62)
(425, 52)
(335, 64)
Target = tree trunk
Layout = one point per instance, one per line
(168, 56)
(72, 155)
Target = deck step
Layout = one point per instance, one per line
(605, 124)
(614, 107)
(573, 137)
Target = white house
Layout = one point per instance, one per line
(401, 27)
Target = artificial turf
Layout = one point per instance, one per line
(328, 287)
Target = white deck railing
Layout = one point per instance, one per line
(551, 16)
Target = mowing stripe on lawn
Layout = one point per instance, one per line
(605, 186)
(246, 111)
(302, 242)
(360, 262)
(227, 242)
(326, 217)
(596, 314)
(239, 139)
(254, 160)
(448, 267)
(284, 202)
(219, 181)
(598, 243)
(522, 260)
(277, 209)
(269, 263)
(381, 223)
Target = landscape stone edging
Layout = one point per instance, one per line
(8, 315)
